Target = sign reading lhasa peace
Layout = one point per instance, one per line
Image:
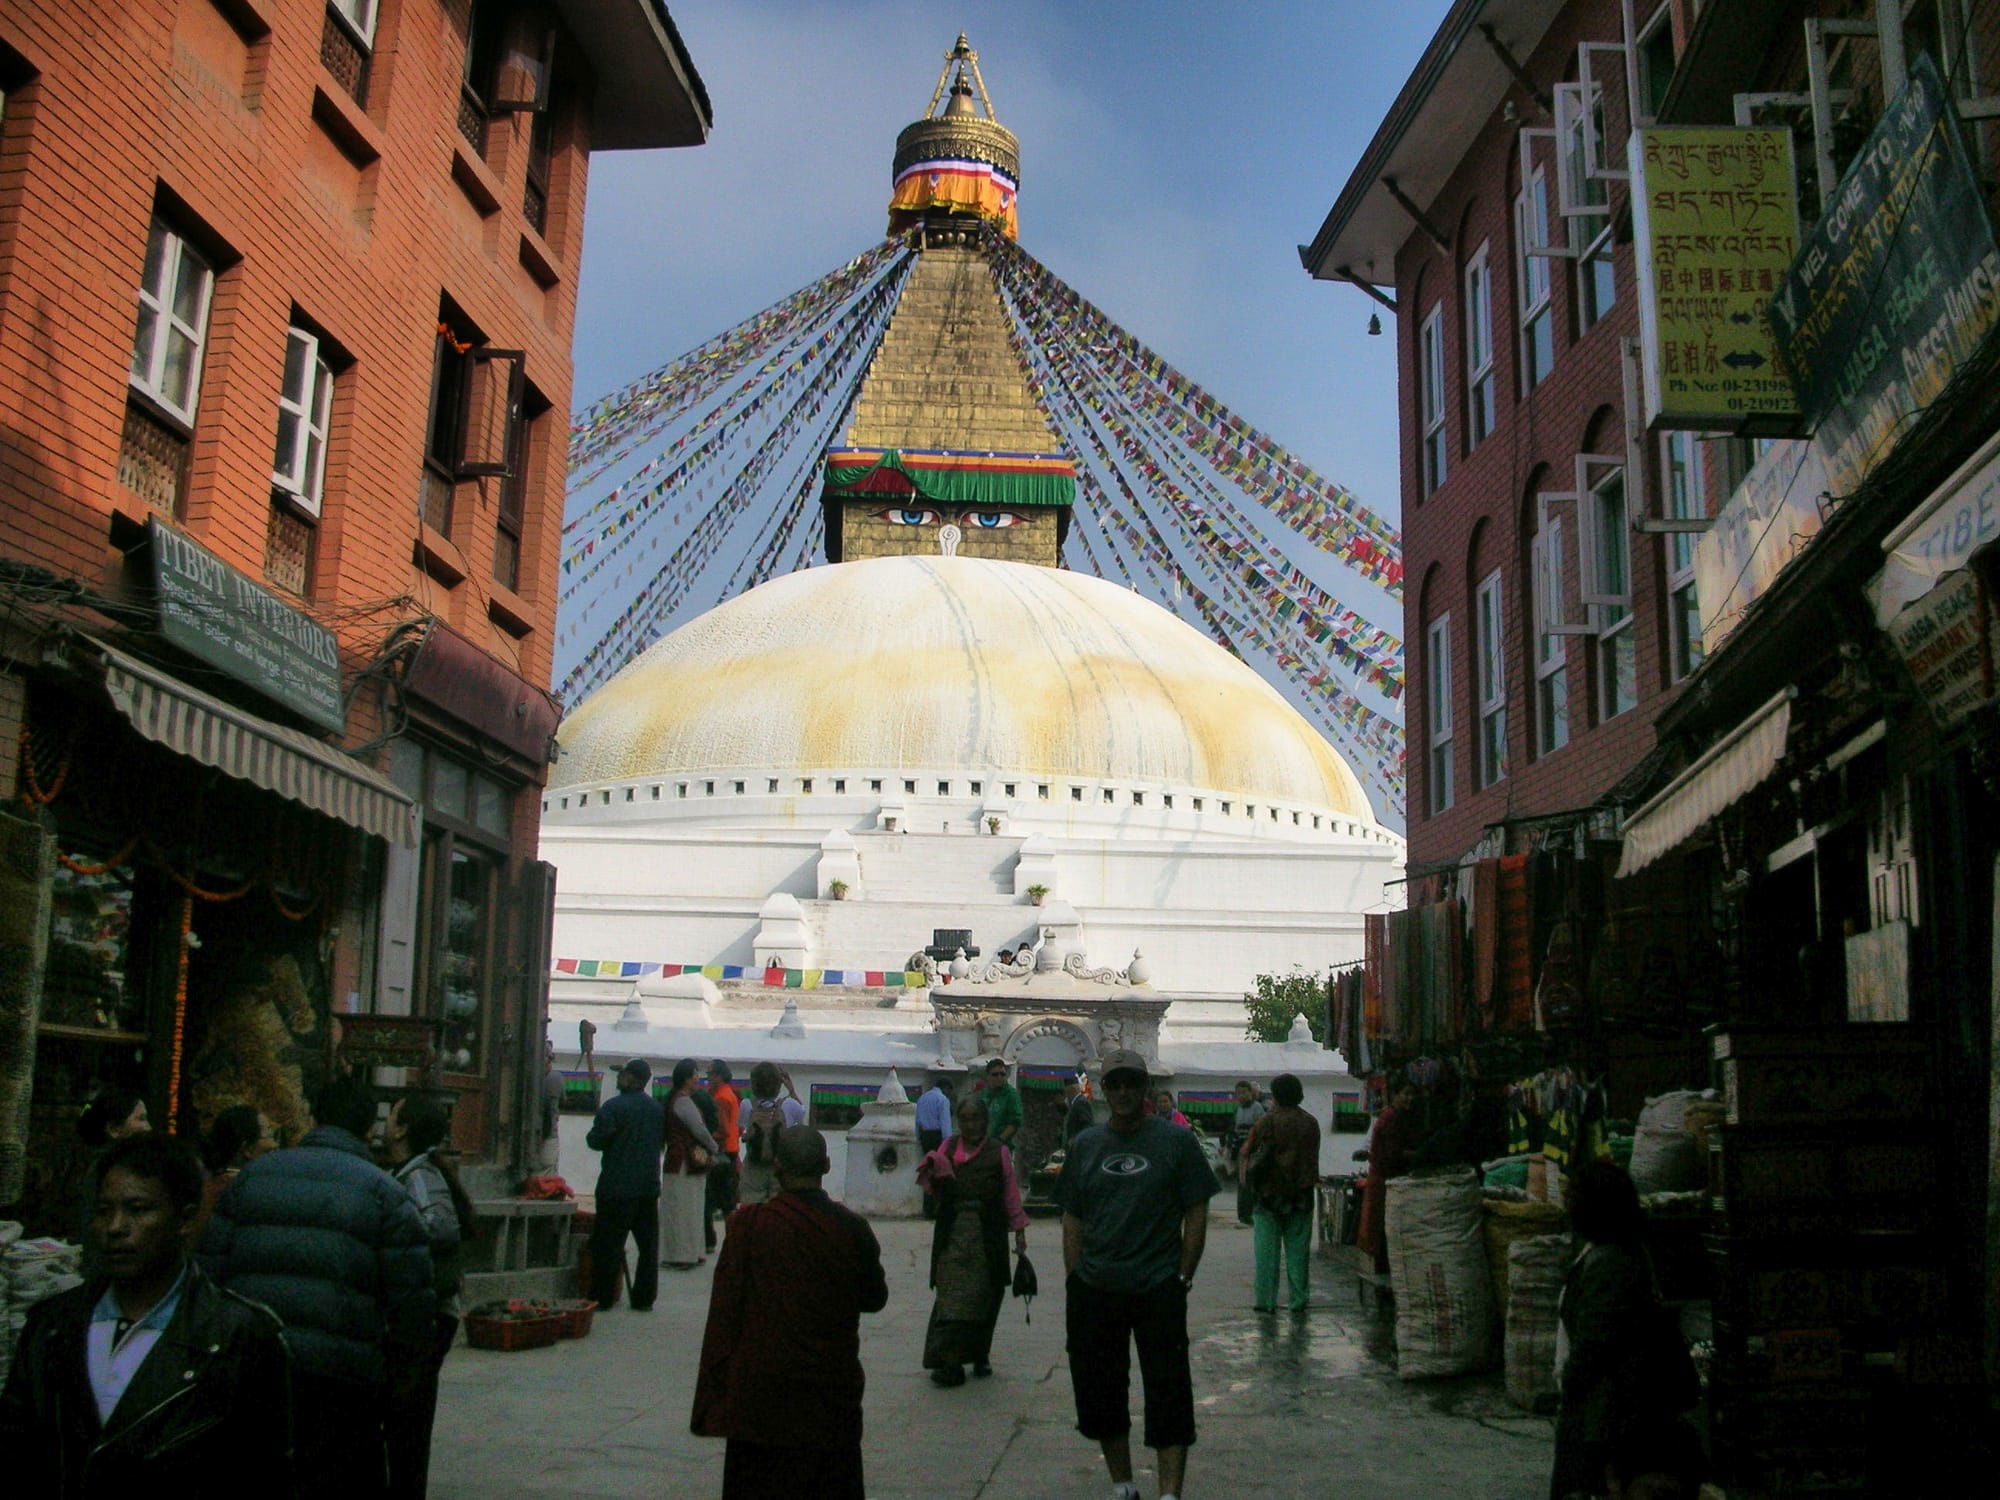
(219, 616)
(1716, 222)
(1894, 288)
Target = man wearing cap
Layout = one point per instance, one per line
(1134, 1195)
(630, 1129)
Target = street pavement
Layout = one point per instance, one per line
(1305, 1405)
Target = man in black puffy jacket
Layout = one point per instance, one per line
(149, 1380)
(335, 1246)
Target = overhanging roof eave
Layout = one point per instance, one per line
(649, 94)
(1337, 250)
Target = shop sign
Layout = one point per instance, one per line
(1944, 640)
(1716, 221)
(1775, 511)
(220, 617)
(1941, 535)
(1895, 287)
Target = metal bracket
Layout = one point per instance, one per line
(1431, 231)
(1513, 66)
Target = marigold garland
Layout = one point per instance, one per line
(36, 792)
(78, 867)
(180, 1015)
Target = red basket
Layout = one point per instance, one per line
(576, 1315)
(507, 1335)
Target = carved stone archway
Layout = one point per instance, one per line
(1049, 1026)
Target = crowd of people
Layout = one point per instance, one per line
(268, 1317)
(281, 1316)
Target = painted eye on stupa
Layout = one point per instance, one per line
(993, 520)
(898, 517)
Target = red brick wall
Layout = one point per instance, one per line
(167, 97)
(1488, 484)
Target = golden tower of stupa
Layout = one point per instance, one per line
(947, 448)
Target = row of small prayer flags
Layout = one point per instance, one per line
(786, 979)
(841, 1091)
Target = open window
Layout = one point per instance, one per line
(1431, 389)
(476, 399)
(1437, 711)
(1479, 375)
(1489, 644)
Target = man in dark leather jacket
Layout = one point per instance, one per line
(153, 1379)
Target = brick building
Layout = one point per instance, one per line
(1699, 628)
(287, 293)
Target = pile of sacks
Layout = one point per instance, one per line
(29, 1271)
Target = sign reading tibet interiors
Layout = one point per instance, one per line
(1716, 225)
(1894, 288)
(219, 616)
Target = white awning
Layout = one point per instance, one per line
(1741, 760)
(286, 761)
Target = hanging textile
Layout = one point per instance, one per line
(1514, 994)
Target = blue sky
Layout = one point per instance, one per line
(1173, 157)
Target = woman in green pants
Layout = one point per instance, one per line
(1281, 1163)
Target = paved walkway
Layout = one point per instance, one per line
(1286, 1406)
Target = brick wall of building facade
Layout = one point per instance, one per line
(355, 219)
(1474, 522)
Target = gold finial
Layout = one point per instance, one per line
(959, 63)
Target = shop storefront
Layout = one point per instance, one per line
(466, 914)
(206, 870)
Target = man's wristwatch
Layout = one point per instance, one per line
(1187, 1283)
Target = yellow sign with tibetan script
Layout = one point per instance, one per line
(1715, 216)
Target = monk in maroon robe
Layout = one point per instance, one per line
(781, 1374)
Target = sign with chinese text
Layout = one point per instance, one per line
(1716, 220)
(219, 616)
(1895, 287)
(1766, 523)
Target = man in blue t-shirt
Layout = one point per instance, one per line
(1134, 1195)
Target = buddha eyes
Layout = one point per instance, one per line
(973, 520)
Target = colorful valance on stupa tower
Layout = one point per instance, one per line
(957, 161)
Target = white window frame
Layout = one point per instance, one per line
(1551, 650)
(301, 475)
(149, 360)
(1434, 461)
(359, 17)
(1437, 711)
(1534, 278)
(1662, 20)
(1481, 407)
(1490, 660)
(1608, 589)
(1582, 197)
(1684, 497)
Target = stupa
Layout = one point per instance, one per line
(860, 783)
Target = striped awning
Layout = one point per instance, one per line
(1736, 764)
(293, 764)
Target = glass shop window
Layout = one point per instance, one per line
(467, 827)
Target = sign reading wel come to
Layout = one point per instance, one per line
(1895, 287)
(1716, 221)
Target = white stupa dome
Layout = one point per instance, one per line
(934, 664)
